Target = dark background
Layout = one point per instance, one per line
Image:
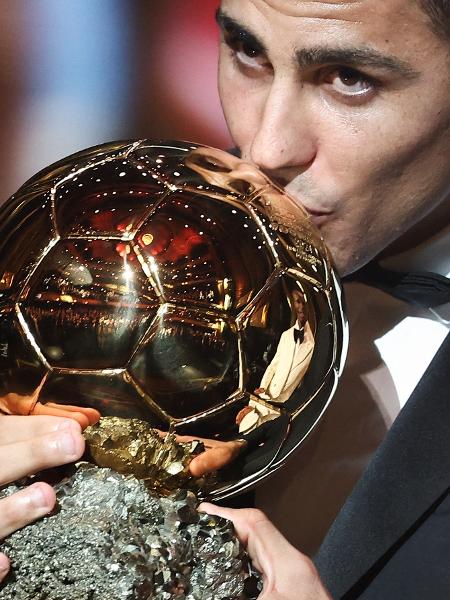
(75, 73)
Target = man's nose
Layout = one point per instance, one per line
(284, 136)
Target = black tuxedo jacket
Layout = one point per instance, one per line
(391, 540)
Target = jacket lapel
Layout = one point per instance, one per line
(408, 473)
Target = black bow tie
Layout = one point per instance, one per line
(423, 289)
(299, 335)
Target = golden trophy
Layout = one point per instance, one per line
(177, 291)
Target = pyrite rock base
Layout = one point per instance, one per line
(112, 540)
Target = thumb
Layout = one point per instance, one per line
(4, 566)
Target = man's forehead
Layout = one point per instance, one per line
(356, 11)
(295, 8)
(389, 34)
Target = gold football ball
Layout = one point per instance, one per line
(156, 280)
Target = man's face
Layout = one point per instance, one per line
(297, 301)
(345, 104)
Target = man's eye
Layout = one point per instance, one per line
(246, 54)
(249, 50)
(349, 82)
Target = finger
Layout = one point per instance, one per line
(4, 566)
(180, 438)
(45, 409)
(283, 567)
(245, 520)
(30, 456)
(55, 411)
(19, 428)
(214, 458)
(247, 525)
(242, 413)
(162, 434)
(220, 511)
(92, 414)
(207, 462)
(25, 506)
(241, 517)
(186, 439)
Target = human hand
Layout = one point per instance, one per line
(217, 453)
(242, 413)
(260, 390)
(287, 574)
(29, 445)
(16, 404)
(82, 415)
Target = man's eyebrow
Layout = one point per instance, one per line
(353, 57)
(319, 56)
(239, 32)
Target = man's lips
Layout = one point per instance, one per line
(318, 217)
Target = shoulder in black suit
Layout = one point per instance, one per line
(391, 540)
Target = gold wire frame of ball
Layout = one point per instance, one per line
(175, 284)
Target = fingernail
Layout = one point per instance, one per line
(66, 425)
(37, 497)
(67, 444)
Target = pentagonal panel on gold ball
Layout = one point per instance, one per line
(177, 284)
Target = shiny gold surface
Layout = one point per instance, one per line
(155, 280)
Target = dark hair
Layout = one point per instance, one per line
(439, 13)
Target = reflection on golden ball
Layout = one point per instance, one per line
(155, 280)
